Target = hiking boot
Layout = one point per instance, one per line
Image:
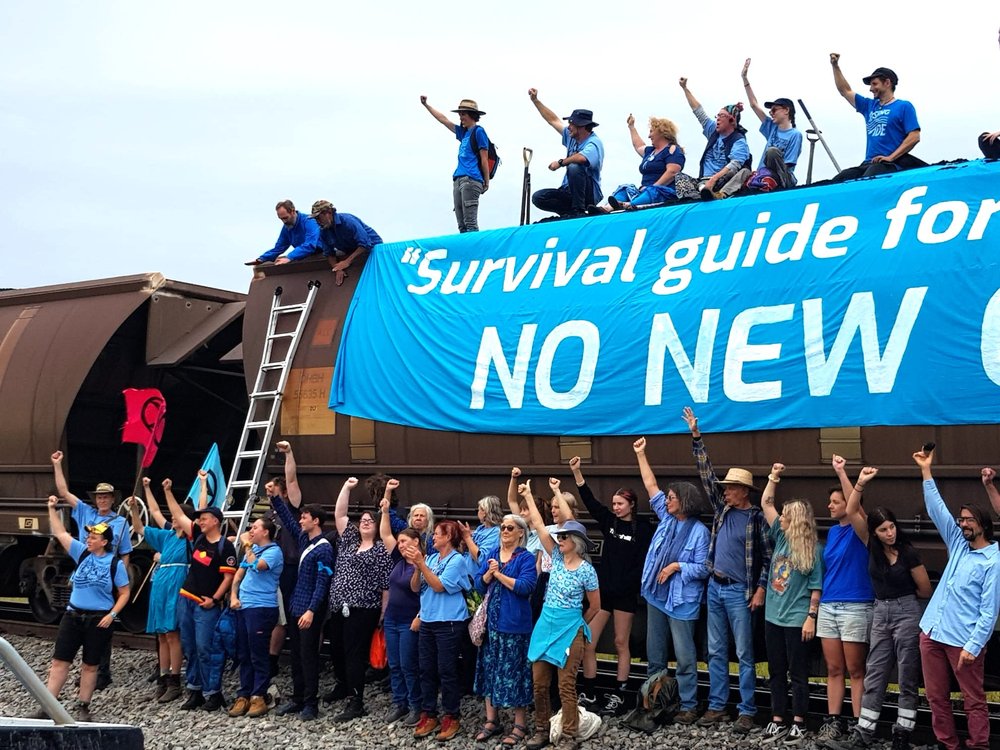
(796, 736)
(614, 705)
(309, 713)
(194, 700)
(449, 728)
(397, 713)
(173, 690)
(774, 733)
(901, 741)
(258, 706)
(81, 712)
(856, 740)
(539, 740)
(354, 709)
(831, 730)
(240, 707)
(686, 717)
(712, 718)
(566, 743)
(425, 726)
(161, 687)
(412, 718)
(744, 724)
(289, 708)
(214, 702)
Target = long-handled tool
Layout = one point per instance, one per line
(526, 188)
(813, 135)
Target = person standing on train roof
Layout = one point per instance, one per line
(581, 186)
(472, 175)
(86, 515)
(299, 232)
(344, 237)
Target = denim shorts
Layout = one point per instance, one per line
(848, 621)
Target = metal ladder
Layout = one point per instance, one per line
(284, 330)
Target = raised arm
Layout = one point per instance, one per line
(202, 489)
(574, 466)
(855, 514)
(692, 102)
(709, 482)
(767, 497)
(385, 522)
(292, 488)
(56, 527)
(637, 141)
(648, 478)
(176, 512)
(470, 543)
(564, 510)
(439, 116)
(132, 503)
(512, 503)
(843, 87)
(537, 522)
(751, 97)
(988, 475)
(62, 489)
(839, 465)
(343, 500)
(154, 508)
(547, 114)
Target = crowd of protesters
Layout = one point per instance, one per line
(542, 605)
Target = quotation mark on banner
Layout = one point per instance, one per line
(411, 255)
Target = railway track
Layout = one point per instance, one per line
(13, 624)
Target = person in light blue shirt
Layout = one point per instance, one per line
(961, 614)
(726, 152)
(254, 598)
(581, 186)
(299, 232)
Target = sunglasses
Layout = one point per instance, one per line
(562, 537)
(508, 527)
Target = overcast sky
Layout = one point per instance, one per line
(152, 136)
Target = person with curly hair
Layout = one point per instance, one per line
(661, 163)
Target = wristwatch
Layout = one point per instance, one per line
(561, 163)
(113, 615)
(813, 615)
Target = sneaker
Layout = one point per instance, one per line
(831, 730)
(686, 717)
(214, 702)
(258, 706)
(712, 717)
(614, 705)
(425, 726)
(397, 713)
(744, 724)
(309, 713)
(585, 699)
(796, 736)
(854, 741)
(194, 700)
(240, 706)
(774, 733)
(449, 728)
(354, 709)
(81, 712)
(289, 708)
(412, 718)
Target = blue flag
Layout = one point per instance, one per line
(872, 302)
(216, 480)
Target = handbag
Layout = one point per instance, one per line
(377, 656)
(477, 625)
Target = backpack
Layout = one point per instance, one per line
(659, 702)
(115, 560)
(492, 159)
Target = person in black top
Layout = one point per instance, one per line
(899, 579)
(626, 540)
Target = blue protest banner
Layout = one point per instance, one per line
(871, 302)
(216, 480)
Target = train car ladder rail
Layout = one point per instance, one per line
(284, 331)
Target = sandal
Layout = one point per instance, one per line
(518, 733)
(491, 728)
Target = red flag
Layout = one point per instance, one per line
(145, 410)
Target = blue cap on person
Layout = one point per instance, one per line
(574, 527)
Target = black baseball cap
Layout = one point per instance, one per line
(782, 102)
(886, 73)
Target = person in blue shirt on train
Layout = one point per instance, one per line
(344, 237)
(299, 232)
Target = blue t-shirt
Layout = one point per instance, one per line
(654, 165)
(731, 545)
(468, 160)
(788, 142)
(845, 560)
(448, 605)
(593, 149)
(887, 124)
(86, 515)
(259, 588)
(566, 587)
(92, 579)
(404, 602)
(715, 157)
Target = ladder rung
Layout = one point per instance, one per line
(258, 425)
(274, 336)
(232, 514)
(241, 484)
(263, 394)
(243, 455)
(290, 308)
(274, 365)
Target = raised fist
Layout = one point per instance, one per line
(639, 446)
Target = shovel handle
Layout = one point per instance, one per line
(526, 153)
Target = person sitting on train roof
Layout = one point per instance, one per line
(727, 151)
(776, 169)
(343, 237)
(661, 163)
(581, 185)
(960, 617)
(299, 232)
(989, 144)
(100, 592)
(472, 175)
(85, 515)
(892, 127)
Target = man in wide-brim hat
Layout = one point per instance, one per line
(471, 177)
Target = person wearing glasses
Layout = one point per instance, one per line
(506, 578)
(960, 617)
(358, 595)
(557, 642)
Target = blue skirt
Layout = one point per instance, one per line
(163, 597)
(503, 672)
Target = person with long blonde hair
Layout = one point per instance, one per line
(792, 603)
